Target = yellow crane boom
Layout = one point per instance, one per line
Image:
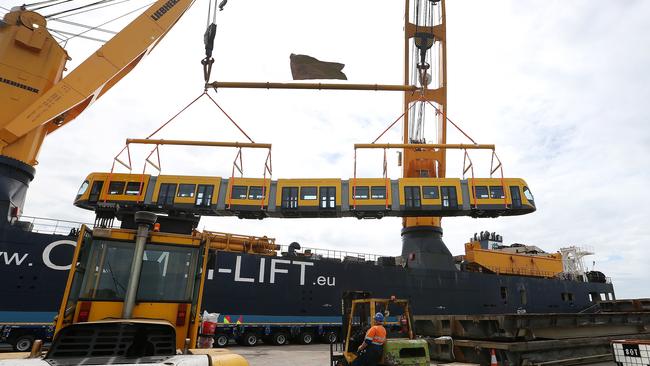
(23, 128)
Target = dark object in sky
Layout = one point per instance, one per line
(305, 67)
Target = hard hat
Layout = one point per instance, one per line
(379, 317)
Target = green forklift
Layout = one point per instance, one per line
(401, 347)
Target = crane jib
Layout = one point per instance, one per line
(164, 9)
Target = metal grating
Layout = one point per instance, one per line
(112, 343)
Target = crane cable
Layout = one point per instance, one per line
(47, 6)
(89, 10)
(79, 8)
(80, 34)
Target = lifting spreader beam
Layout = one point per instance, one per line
(425, 146)
(317, 86)
(252, 145)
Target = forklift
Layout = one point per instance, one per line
(401, 347)
(133, 297)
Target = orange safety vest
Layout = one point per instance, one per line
(376, 335)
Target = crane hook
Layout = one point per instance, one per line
(208, 40)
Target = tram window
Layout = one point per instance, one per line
(360, 193)
(116, 188)
(239, 192)
(516, 196)
(496, 192)
(481, 192)
(430, 192)
(95, 190)
(412, 196)
(255, 193)
(204, 195)
(378, 193)
(308, 193)
(132, 188)
(504, 294)
(186, 190)
(528, 194)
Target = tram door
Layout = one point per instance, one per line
(516, 197)
(290, 197)
(449, 197)
(166, 194)
(95, 191)
(412, 197)
(327, 197)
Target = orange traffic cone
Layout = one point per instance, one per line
(493, 358)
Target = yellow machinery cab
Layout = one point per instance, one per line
(142, 277)
(401, 346)
(132, 297)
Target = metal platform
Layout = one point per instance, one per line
(516, 327)
(540, 352)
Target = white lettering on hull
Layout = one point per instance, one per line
(277, 267)
(14, 257)
(238, 276)
(48, 250)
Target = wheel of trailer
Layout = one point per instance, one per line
(249, 339)
(220, 340)
(23, 343)
(330, 337)
(306, 338)
(279, 339)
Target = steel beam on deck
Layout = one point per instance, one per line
(252, 145)
(425, 146)
(312, 86)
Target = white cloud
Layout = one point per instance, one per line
(561, 88)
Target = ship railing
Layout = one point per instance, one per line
(522, 271)
(340, 255)
(44, 225)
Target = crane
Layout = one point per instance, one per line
(37, 99)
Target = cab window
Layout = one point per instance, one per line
(430, 192)
(255, 193)
(239, 192)
(528, 194)
(186, 190)
(83, 188)
(132, 188)
(378, 193)
(308, 193)
(116, 188)
(496, 192)
(481, 192)
(360, 193)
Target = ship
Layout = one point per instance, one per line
(292, 283)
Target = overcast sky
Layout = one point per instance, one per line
(562, 89)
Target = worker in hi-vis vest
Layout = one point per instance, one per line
(373, 344)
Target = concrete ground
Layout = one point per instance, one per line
(263, 355)
(312, 355)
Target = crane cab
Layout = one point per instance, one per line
(145, 278)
